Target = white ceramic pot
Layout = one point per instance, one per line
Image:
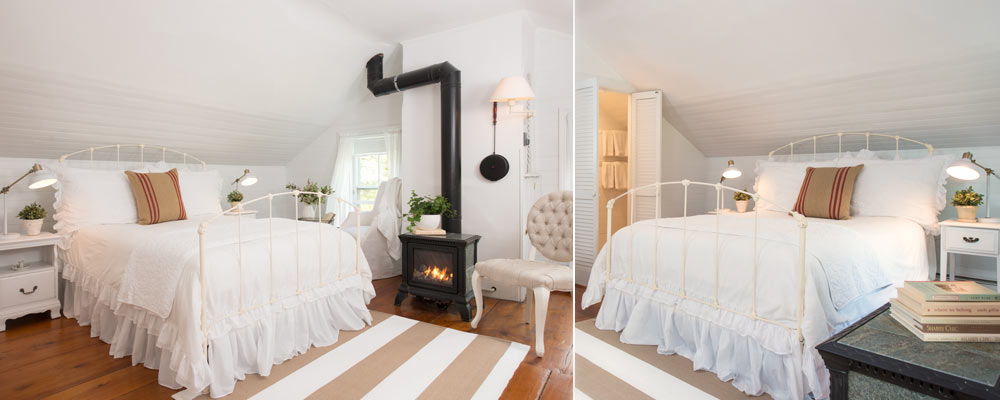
(741, 205)
(33, 227)
(967, 213)
(428, 222)
(307, 211)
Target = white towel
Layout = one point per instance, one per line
(621, 175)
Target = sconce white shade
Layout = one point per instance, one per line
(41, 179)
(731, 171)
(963, 169)
(511, 89)
(248, 180)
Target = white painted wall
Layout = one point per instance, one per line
(362, 111)
(272, 180)
(976, 267)
(485, 52)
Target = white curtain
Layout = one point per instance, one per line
(343, 170)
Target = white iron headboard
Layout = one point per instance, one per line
(840, 143)
(142, 153)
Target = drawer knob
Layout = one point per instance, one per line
(970, 239)
(32, 290)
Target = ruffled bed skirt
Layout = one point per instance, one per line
(253, 343)
(769, 360)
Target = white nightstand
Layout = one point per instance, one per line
(34, 288)
(975, 238)
(245, 214)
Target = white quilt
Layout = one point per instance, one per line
(148, 275)
(851, 266)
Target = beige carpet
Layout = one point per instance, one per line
(395, 358)
(671, 374)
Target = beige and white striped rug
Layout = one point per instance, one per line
(395, 358)
(606, 368)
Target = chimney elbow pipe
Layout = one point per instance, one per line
(450, 79)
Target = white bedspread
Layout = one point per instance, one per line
(845, 262)
(148, 276)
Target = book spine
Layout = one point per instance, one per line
(949, 308)
(945, 337)
(952, 328)
(898, 307)
(963, 297)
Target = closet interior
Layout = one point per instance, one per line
(613, 159)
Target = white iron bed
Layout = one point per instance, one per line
(212, 298)
(746, 295)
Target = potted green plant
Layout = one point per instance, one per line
(742, 199)
(32, 215)
(310, 200)
(967, 202)
(425, 211)
(234, 198)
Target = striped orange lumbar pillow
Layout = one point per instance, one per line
(157, 196)
(826, 192)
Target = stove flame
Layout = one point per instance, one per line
(433, 272)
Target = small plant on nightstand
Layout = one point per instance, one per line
(967, 202)
(32, 215)
(234, 198)
(741, 200)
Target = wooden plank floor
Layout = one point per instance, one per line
(57, 359)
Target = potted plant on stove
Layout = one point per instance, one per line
(967, 202)
(425, 211)
(742, 199)
(234, 198)
(32, 215)
(310, 200)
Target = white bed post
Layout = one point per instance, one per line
(202, 229)
(656, 238)
(801, 220)
(607, 254)
(718, 218)
(684, 238)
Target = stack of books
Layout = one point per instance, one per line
(953, 311)
(429, 232)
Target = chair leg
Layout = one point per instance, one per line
(541, 307)
(477, 289)
(527, 305)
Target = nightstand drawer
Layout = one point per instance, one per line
(971, 239)
(27, 288)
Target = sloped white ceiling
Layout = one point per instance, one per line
(742, 78)
(233, 82)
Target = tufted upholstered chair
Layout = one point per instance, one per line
(550, 231)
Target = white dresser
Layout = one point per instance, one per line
(974, 238)
(34, 288)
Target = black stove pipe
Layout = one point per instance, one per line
(450, 79)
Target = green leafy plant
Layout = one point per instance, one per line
(740, 196)
(234, 196)
(426, 205)
(309, 198)
(967, 197)
(31, 212)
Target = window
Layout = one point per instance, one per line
(370, 169)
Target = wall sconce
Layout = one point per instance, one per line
(511, 90)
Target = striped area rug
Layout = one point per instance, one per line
(395, 358)
(606, 368)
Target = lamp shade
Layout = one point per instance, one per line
(512, 88)
(41, 179)
(731, 171)
(963, 169)
(248, 180)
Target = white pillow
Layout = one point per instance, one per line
(912, 189)
(778, 182)
(200, 191)
(89, 197)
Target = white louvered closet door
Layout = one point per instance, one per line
(645, 109)
(585, 211)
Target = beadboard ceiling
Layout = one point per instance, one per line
(233, 82)
(742, 78)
